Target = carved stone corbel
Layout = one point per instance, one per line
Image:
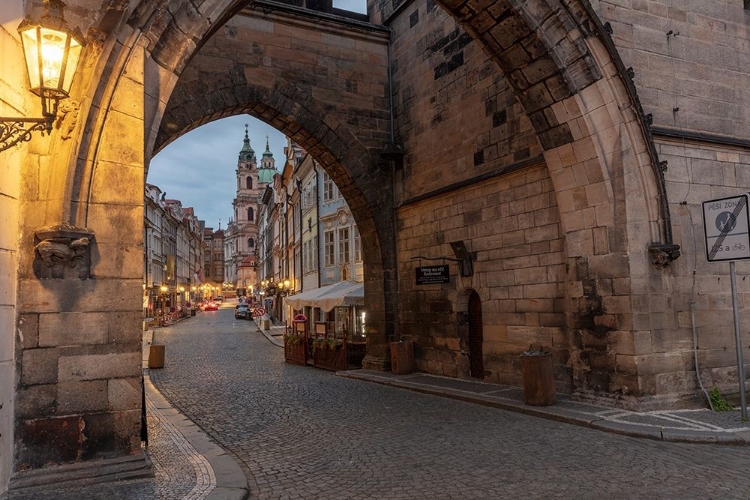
(63, 252)
(663, 254)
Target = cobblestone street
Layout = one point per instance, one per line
(305, 433)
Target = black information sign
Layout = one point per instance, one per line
(430, 275)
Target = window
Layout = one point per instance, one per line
(327, 187)
(250, 213)
(250, 243)
(344, 245)
(249, 182)
(357, 245)
(329, 249)
(217, 257)
(315, 253)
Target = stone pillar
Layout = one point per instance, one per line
(78, 391)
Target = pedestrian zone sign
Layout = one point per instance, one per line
(726, 224)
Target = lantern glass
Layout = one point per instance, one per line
(52, 57)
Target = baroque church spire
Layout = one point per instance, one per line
(247, 153)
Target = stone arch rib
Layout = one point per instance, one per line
(541, 47)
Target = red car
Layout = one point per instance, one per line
(211, 306)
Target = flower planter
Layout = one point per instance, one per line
(296, 352)
(330, 358)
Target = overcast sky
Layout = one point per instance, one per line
(199, 168)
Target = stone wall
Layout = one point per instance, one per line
(519, 273)
(691, 56)
(12, 103)
(699, 172)
(454, 111)
(459, 121)
(690, 65)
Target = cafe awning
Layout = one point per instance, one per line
(343, 293)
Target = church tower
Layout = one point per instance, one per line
(242, 231)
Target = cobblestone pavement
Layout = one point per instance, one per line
(304, 433)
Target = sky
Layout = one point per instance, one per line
(199, 168)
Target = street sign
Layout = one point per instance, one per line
(726, 224)
(431, 275)
(258, 312)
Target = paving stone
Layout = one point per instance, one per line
(306, 433)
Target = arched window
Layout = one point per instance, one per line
(250, 213)
(249, 182)
(250, 243)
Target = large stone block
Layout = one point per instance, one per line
(75, 329)
(74, 398)
(39, 366)
(55, 296)
(28, 331)
(35, 401)
(103, 366)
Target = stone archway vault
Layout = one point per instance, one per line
(554, 54)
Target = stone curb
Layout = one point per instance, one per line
(231, 482)
(566, 415)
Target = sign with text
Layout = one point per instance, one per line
(726, 224)
(431, 275)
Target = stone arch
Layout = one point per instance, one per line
(554, 53)
(292, 111)
(580, 99)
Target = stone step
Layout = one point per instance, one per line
(83, 473)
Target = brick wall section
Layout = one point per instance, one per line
(456, 116)
(702, 70)
(514, 226)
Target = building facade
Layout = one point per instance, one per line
(174, 249)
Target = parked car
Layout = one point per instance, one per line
(220, 298)
(211, 306)
(242, 311)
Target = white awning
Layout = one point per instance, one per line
(343, 293)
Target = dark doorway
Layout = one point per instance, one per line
(476, 364)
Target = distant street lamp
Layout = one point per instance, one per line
(163, 290)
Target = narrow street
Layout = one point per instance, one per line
(305, 433)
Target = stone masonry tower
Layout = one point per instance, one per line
(245, 203)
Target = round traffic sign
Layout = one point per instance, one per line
(726, 222)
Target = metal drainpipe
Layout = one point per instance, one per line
(301, 246)
(317, 217)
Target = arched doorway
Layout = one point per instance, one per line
(476, 362)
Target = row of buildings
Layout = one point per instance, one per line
(179, 252)
(291, 231)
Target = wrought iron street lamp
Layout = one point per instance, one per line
(52, 52)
